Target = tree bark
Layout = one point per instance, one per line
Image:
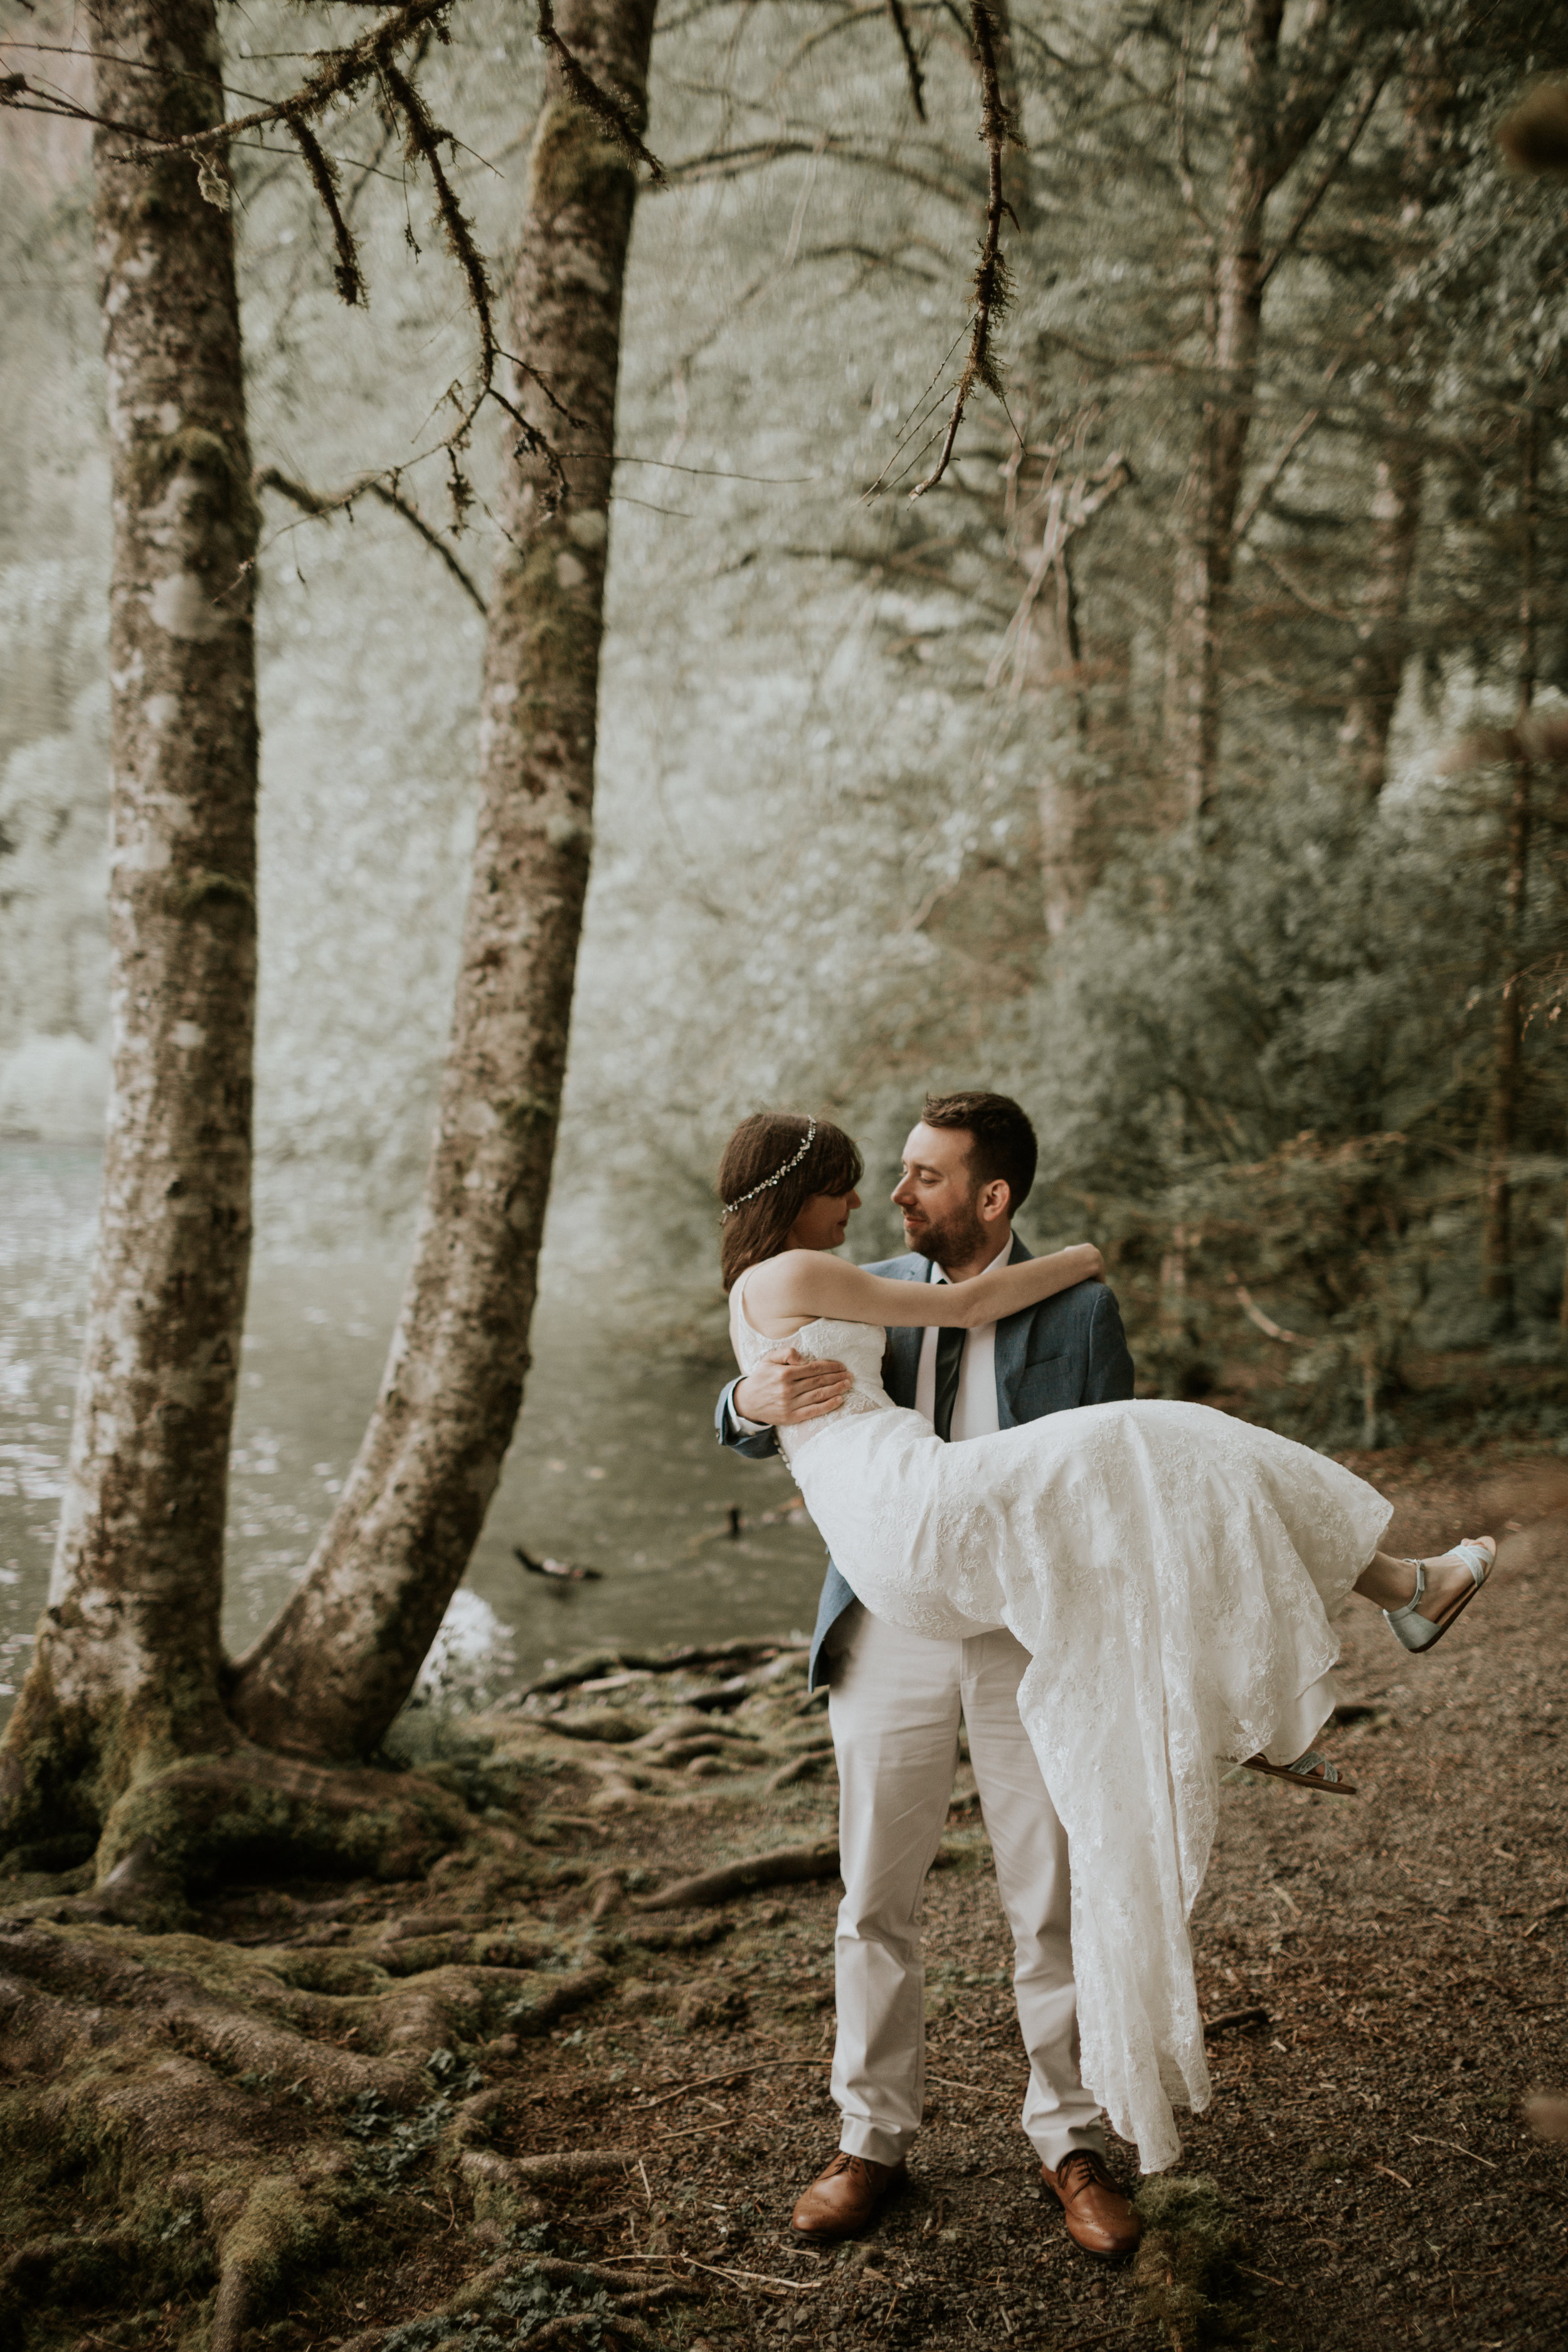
(126, 1672)
(1497, 1235)
(1382, 632)
(1281, 109)
(329, 1674)
(1048, 653)
(1377, 667)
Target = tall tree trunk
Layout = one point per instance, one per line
(1281, 105)
(332, 1671)
(1497, 1235)
(1213, 487)
(126, 1672)
(1377, 666)
(1049, 653)
(1382, 632)
(1066, 855)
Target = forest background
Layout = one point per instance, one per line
(1156, 767)
(1187, 757)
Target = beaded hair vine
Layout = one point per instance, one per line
(730, 1207)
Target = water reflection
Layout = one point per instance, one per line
(614, 1463)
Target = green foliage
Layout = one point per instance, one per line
(1271, 1064)
(394, 2142)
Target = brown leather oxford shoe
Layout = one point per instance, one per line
(1099, 2218)
(846, 2199)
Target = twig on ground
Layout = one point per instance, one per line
(757, 2278)
(1417, 2141)
(731, 2074)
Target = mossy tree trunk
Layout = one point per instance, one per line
(126, 1674)
(329, 1675)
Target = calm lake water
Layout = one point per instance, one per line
(614, 1463)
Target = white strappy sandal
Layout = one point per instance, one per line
(1308, 1771)
(1418, 1633)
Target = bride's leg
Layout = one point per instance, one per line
(1389, 1582)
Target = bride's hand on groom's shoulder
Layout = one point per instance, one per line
(787, 1388)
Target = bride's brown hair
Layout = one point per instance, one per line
(757, 1161)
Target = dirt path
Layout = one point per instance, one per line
(1373, 2176)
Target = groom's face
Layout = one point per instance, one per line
(945, 1211)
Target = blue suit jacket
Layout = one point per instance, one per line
(1069, 1350)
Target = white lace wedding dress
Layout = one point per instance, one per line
(1173, 1574)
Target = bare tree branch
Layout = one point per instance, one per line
(1376, 81)
(424, 145)
(332, 502)
(607, 111)
(917, 80)
(324, 173)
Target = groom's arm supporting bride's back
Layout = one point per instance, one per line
(1070, 1350)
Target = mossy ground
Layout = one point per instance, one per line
(331, 2114)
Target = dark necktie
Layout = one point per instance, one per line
(949, 1358)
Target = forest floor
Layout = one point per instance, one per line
(615, 2104)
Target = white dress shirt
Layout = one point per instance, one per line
(974, 1407)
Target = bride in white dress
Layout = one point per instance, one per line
(1175, 1574)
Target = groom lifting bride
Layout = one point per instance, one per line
(1117, 1596)
(896, 1697)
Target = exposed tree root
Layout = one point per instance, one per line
(789, 1864)
(218, 2095)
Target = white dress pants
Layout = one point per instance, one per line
(894, 1702)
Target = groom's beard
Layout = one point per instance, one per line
(954, 1240)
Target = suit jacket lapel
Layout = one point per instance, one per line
(1012, 1343)
(904, 1352)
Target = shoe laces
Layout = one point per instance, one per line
(1082, 2167)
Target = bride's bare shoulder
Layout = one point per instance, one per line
(775, 1279)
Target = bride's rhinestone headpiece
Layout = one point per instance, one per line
(767, 1183)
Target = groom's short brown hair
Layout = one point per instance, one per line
(1004, 1142)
